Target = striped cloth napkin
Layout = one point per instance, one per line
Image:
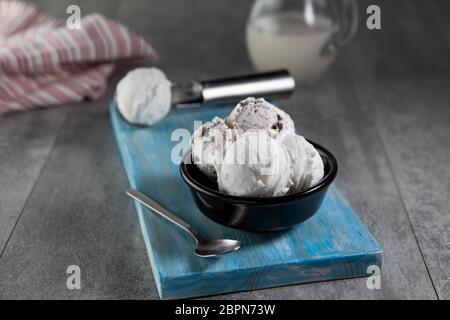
(44, 63)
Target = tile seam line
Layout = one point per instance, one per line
(397, 186)
(375, 121)
(58, 131)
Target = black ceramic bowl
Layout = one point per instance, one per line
(257, 213)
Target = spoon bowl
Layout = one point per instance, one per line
(211, 248)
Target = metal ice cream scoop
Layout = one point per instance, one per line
(205, 248)
(274, 84)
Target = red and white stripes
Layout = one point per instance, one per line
(43, 63)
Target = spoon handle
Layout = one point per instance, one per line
(155, 207)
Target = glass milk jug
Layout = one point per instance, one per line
(302, 36)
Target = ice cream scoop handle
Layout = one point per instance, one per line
(156, 207)
(272, 84)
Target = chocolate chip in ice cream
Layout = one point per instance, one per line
(252, 113)
(208, 145)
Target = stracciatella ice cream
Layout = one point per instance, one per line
(295, 146)
(144, 96)
(253, 113)
(208, 145)
(307, 165)
(256, 152)
(314, 168)
(255, 165)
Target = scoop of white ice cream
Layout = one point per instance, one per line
(144, 96)
(255, 165)
(295, 145)
(314, 167)
(208, 145)
(251, 113)
(307, 165)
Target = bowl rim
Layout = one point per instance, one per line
(324, 183)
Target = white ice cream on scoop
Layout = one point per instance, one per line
(208, 145)
(255, 165)
(144, 96)
(252, 113)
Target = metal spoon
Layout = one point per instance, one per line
(205, 248)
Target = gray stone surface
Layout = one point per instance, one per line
(25, 142)
(408, 101)
(382, 109)
(78, 214)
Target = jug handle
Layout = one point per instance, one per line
(348, 18)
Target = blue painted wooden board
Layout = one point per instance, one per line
(333, 244)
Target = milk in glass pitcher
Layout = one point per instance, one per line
(302, 36)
